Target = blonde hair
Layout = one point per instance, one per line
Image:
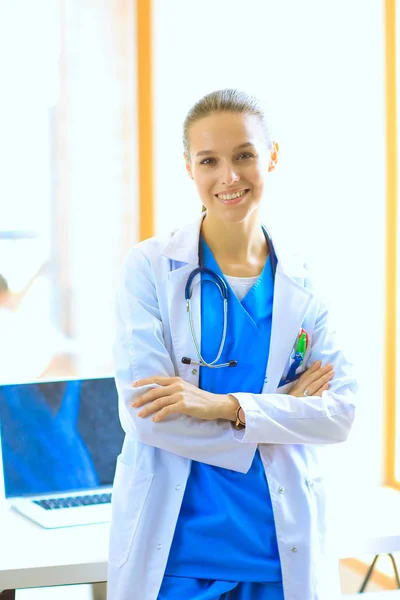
(227, 100)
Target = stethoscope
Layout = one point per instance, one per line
(223, 288)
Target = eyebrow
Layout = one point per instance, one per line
(203, 152)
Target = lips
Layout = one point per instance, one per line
(233, 197)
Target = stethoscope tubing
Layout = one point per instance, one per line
(223, 288)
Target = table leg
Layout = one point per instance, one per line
(396, 572)
(99, 591)
(7, 595)
(370, 571)
(368, 575)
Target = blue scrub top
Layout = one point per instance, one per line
(225, 528)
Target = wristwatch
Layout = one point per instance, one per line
(239, 424)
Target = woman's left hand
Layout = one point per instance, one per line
(175, 395)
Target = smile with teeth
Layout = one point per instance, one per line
(231, 196)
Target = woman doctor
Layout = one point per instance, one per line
(230, 381)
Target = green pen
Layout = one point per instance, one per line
(302, 345)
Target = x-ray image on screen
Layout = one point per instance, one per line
(59, 436)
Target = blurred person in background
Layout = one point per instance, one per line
(11, 300)
(28, 345)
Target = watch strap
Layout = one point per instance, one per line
(239, 424)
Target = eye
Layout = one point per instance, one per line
(245, 155)
(208, 161)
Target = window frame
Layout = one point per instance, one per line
(390, 383)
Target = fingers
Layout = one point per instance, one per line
(320, 382)
(160, 380)
(155, 393)
(314, 367)
(159, 405)
(171, 409)
(311, 372)
(324, 388)
(314, 373)
(159, 398)
(315, 380)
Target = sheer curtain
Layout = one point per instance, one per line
(29, 48)
(68, 197)
(96, 198)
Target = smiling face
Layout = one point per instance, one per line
(229, 160)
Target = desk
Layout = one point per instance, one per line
(31, 556)
(35, 557)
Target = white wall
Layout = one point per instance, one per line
(319, 67)
(102, 154)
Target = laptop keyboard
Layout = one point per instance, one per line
(73, 501)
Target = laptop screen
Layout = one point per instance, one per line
(59, 436)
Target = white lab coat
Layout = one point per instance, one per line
(152, 470)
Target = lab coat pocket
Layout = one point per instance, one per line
(130, 491)
(288, 375)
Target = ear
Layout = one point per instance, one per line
(188, 166)
(273, 161)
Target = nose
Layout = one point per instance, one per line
(228, 175)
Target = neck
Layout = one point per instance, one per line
(235, 243)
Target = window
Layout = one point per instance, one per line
(392, 357)
(30, 47)
(68, 192)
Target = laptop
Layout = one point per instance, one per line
(59, 445)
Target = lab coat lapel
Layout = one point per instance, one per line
(182, 251)
(290, 305)
(180, 330)
(291, 301)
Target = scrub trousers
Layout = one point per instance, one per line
(179, 588)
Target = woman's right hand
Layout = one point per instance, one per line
(315, 380)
